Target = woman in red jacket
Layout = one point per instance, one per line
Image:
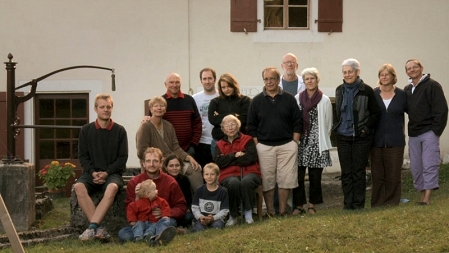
(235, 152)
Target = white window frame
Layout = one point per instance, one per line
(290, 35)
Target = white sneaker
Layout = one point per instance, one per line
(88, 234)
(249, 221)
(231, 222)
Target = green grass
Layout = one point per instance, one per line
(58, 217)
(405, 228)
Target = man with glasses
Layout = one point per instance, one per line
(275, 123)
(427, 113)
(290, 81)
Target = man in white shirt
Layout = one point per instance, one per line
(208, 78)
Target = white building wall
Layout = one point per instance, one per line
(143, 40)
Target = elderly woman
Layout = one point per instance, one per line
(159, 133)
(236, 155)
(387, 154)
(313, 149)
(229, 102)
(356, 115)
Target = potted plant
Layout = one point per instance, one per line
(56, 175)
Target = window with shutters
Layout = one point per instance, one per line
(286, 14)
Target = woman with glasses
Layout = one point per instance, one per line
(387, 154)
(356, 115)
(236, 156)
(313, 149)
(229, 102)
(159, 133)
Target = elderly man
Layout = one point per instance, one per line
(427, 113)
(208, 77)
(290, 81)
(275, 123)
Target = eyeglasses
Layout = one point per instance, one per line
(271, 79)
(232, 125)
(289, 62)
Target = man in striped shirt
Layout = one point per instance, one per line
(183, 114)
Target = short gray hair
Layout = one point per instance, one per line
(311, 71)
(231, 117)
(351, 62)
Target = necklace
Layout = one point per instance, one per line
(160, 129)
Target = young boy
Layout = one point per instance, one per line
(140, 215)
(210, 203)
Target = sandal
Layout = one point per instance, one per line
(311, 210)
(283, 214)
(298, 211)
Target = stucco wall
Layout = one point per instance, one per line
(144, 40)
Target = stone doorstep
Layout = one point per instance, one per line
(29, 238)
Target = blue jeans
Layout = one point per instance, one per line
(127, 233)
(212, 147)
(218, 224)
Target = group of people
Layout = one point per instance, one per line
(370, 126)
(202, 157)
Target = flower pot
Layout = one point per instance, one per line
(55, 193)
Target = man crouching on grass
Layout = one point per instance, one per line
(168, 189)
(103, 153)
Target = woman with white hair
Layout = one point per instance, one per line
(236, 155)
(356, 115)
(313, 149)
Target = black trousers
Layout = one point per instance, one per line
(353, 153)
(202, 154)
(315, 192)
(239, 189)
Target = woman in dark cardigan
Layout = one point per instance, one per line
(387, 154)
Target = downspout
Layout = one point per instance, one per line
(188, 46)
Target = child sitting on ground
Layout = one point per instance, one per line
(140, 216)
(210, 203)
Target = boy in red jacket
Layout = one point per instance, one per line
(144, 223)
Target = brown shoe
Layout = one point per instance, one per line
(181, 230)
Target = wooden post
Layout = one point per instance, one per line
(9, 228)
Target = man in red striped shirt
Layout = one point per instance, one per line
(183, 114)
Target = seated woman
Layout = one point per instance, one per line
(159, 133)
(233, 153)
(172, 166)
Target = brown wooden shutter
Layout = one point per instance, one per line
(330, 15)
(243, 15)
